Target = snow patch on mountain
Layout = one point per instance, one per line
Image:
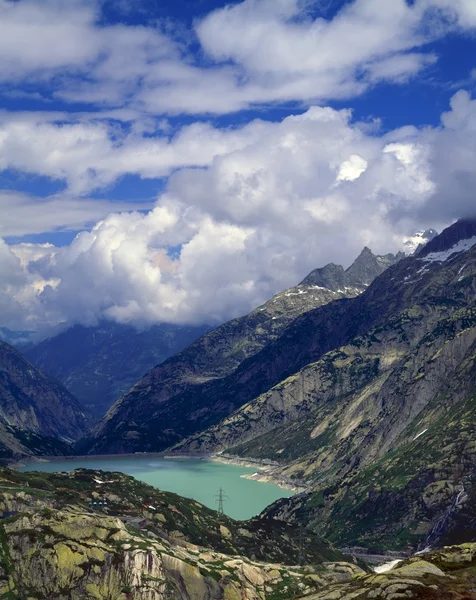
(444, 255)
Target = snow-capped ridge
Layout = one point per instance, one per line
(463, 230)
(444, 255)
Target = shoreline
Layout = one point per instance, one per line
(264, 474)
(46, 459)
(264, 469)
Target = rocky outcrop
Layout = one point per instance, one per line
(208, 380)
(448, 573)
(30, 401)
(357, 277)
(164, 514)
(71, 554)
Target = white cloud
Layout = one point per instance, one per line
(23, 214)
(352, 168)
(255, 221)
(251, 209)
(38, 38)
(90, 154)
(258, 52)
(461, 11)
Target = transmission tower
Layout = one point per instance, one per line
(221, 498)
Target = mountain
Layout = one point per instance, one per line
(376, 407)
(210, 378)
(17, 443)
(99, 364)
(357, 277)
(33, 405)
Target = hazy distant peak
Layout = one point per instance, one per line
(418, 241)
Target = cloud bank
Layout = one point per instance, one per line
(267, 210)
(249, 208)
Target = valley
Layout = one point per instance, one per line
(340, 416)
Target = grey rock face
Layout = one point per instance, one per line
(31, 401)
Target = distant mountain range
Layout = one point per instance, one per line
(15, 338)
(99, 364)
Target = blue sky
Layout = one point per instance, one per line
(257, 139)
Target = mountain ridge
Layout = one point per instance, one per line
(181, 389)
(385, 388)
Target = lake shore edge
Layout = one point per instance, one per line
(265, 470)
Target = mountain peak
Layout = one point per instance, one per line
(366, 251)
(367, 266)
(464, 229)
(331, 276)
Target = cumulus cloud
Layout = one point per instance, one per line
(247, 210)
(311, 189)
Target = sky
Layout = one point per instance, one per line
(181, 161)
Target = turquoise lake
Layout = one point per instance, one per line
(192, 478)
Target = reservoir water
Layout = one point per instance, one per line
(192, 478)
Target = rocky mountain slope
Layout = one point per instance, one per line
(382, 425)
(99, 364)
(137, 543)
(32, 404)
(200, 385)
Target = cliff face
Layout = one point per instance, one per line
(404, 341)
(208, 380)
(32, 402)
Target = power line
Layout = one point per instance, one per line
(221, 498)
(301, 548)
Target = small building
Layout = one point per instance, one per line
(98, 503)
